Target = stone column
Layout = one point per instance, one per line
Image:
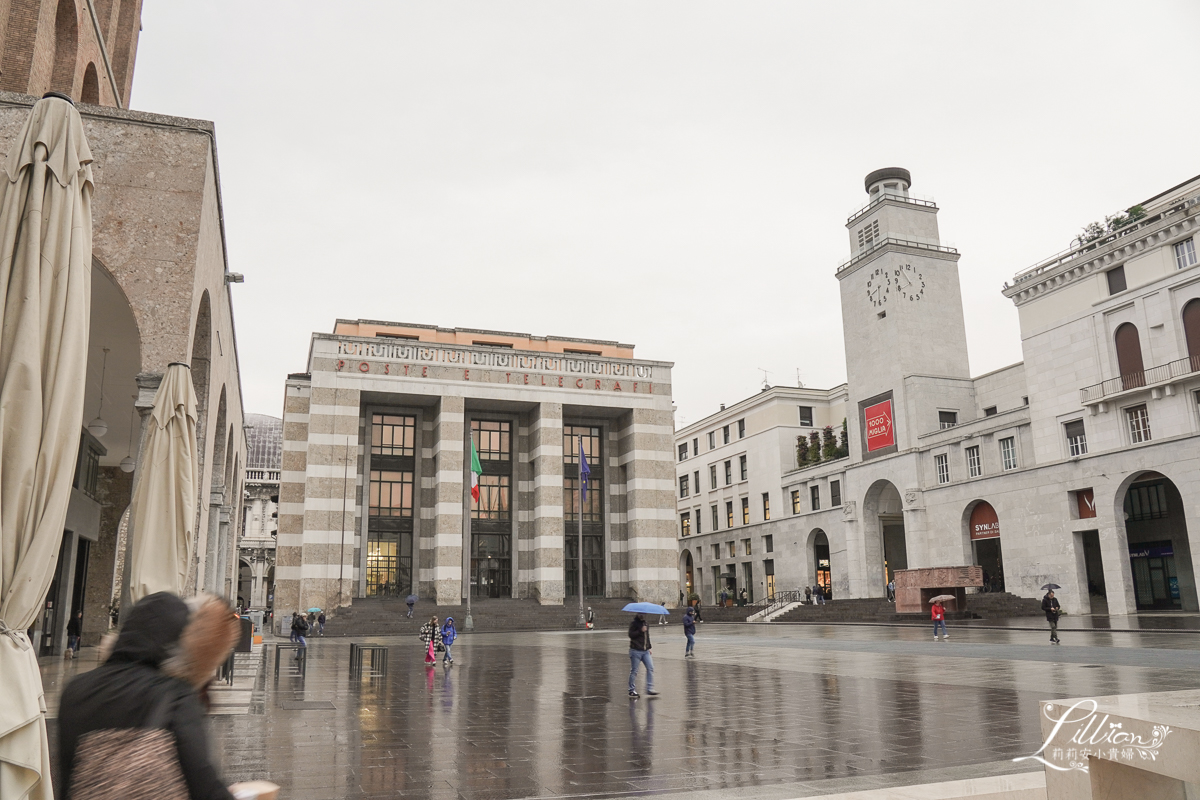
(212, 541)
(224, 547)
(448, 439)
(1118, 575)
(646, 452)
(546, 458)
(289, 543)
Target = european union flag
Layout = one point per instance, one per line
(585, 473)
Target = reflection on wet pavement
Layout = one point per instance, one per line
(780, 707)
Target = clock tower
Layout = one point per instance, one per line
(902, 315)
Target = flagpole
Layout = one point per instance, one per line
(582, 490)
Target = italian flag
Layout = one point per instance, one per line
(476, 471)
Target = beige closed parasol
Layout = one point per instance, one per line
(162, 514)
(45, 299)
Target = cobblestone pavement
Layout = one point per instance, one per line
(762, 711)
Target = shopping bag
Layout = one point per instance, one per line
(429, 656)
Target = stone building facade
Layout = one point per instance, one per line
(260, 515)
(85, 50)
(375, 490)
(1078, 466)
(160, 294)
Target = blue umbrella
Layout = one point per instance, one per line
(314, 610)
(645, 608)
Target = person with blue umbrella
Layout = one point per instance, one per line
(639, 646)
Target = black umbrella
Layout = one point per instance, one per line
(1050, 587)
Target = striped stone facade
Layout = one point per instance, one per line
(326, 549)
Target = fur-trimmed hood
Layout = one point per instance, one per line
(186, 639)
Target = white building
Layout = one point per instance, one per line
(1080, 465)
(260, 515)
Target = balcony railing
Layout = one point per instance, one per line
(894, 198)
(258, 475)
(1163, 373)
(891, 240)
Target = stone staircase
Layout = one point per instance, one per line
(995, 605)
(387, 617)
(871, 609)
(1002, 605)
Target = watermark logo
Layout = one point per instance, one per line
(1080, 733)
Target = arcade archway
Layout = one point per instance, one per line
(983, 532)
(688, 578)
(818, 552)
(883, 529)
(1160, 556)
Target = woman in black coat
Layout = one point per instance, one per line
(164, 658)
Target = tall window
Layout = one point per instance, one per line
(942, 465)
(593, 511)
(695, 447)
(729, 515)
(391, 505)
(947, 419)
(1185, 254)
(732, 549)
(814, 493)
(683, 485)
(795, 501)
(1116, 280)
(712, 439)
(768, 543)
(697, 517)
(712, 476)
(1008, 452)
(742, 467)
(745, 510)
(974, 465)
(685, 523)
(746, 546)
(1139, 424)
(491, 516)
(806, 416)
(696, 482)
(1129, 356)
(835, 494)
(683, 452)
(1076, 438)
(766, 498)
(741, 428)
(728, 472)
(725, 434)
(716, 520)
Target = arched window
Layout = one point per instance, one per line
(1129, 356)
(66, 44)
(1191, 331)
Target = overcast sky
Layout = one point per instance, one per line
(676, 175)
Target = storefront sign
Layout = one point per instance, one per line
(880, 431)
(984, 522)
(1151, 551)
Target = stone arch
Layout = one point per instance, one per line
(90, 92)
(820, 559)
(201, 364)
(688, 576)
(123, 45)
(982, 542)
(66, 47)
(213, 500)
(113, 325)
(884, 541)
(1149, 509)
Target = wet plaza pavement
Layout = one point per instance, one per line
(763, 711)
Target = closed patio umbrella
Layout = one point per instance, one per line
(163, 510)
(45, 299)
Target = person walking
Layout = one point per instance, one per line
(153, 684)
(410, 601)
(891, 590)
(321, 624)
(431, 636)
(689, 630)
(1053, 610)
(299, 629)
(743, 598)
(639, 653)
(449, 634)
(699, 618)
(724, 597)
(589, 621)
(807, 595)
(939, 618)
(74, 631)
(818, 594)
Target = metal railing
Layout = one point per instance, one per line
(1137, 380)
(891, 240)
(1076, 251)
(778, 600)
(894, 197)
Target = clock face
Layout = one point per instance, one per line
(880, 284)
(909, 282)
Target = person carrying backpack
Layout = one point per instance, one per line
(299, 629)
(449, 634)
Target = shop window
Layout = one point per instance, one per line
(685, 523)
(835, 494)
(974, 465)
(1076, 438)
(815, 496)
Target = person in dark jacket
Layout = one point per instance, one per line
(689, 630)
(1052, 609)
(321, 624)
(299, 630)
(639, 653)
(160, 666)
(74, 631)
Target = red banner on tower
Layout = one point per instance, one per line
(880, 430)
